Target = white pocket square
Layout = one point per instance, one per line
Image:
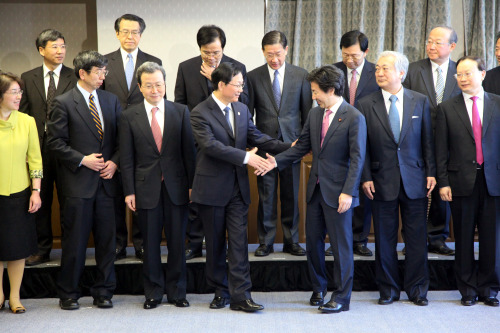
(413, 117)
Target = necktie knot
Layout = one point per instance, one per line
(154, 110)
(51, 73)
(474, 99)
(328, 112)
(393, 98)
(91, 97)
(394, 117)
(276, 88)
(353, 72)
(439, 70)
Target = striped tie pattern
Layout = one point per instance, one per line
(353, 85)
(439, 85)
(155, 128)
(95, 115)
(276, 89)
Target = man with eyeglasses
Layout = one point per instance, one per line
(359, 82)
(433, 77)
(122, 81)
(192, 86)
(491, 82)
(83, 136)
(468, 160)
(157, 160)
(41, 85)
(280, 98)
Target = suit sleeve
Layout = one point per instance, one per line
(428, 141)
(251, 97)
(256, 138)
(188, 148)
(127, 156)
(118, 113)
(180, 87)
(441, 145)
(357, 152)
(24, 106)
(301, 148)
(366, 174)
(244, 96)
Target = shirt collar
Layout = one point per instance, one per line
(57, 71)
(125, 54)
(480, 95)
(387, 94)
(149, 106)
(221, 105)
(443, 66)
(85, 93)
(280, 70)
(334, 108)
(359, 69)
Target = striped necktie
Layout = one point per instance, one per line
(353, 85)
(439, 85)
(95, 115)
(155, 128)
(276, 89)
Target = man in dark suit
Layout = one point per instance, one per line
(336, 133)
(83, 137)
(157, 183)
(433, 77)
(359, 82)
(223, 128)
(192, 86)
(399, 172)
(491, 82)
(41, 85)
(280, 98)
(468, 160)
(121, 81)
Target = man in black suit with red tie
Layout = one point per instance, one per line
(468, 163)
(157, 160)
(192, 86)
(359, 81)
(223, 128)
(41, 85)
(83, 136)
(121, 81)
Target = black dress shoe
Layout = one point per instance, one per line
(180, 303)
(294, 249)
(329, 252)
(468, 300)
(36, 260)
(139, 254)
(103, 302)
(420, 301)
(120, 254)
(333, 307)
(190, 254)
(247, 305)
(69, 304)
(388, 300)
(362, 250)
(441, 248)
(317, 298)
(151, 303)
(490, 301)
(218, 302)
(263, 250)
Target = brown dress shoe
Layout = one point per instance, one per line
(37, 260)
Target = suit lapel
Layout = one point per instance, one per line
(145, 127)
(168, 124)
(217, 113)
(461, 110)
(141, 58)
(116, 66)
(451, 82)
(487, 113)
(426, 73)
(288, 78)
(408, 107)
(338, 118)
(365, 74)
(381, 113)
(265, 80)
(201, 79)
(84, 111)
(39, 83)
(64, 80)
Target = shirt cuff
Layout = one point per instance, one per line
(247, 157)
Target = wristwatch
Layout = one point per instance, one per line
(36, 189)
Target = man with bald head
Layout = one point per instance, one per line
(433, 77)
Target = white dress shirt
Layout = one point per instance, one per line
(160, 113)
(46, 77)
(399, 103)
(281, 75)
(479, 103)
(125, 57)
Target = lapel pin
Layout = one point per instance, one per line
(238, 113)
(340, 119)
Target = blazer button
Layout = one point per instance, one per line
(473, 162)
(399, 148)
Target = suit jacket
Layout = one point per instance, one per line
(412, 159)
(491, 82)
(34, 100)
(419, 78)
(456, 148)
(295, 103)
(72, 134)
(191, 87)
(367, 83)
(219, 161)
(142, 165)
(337, 163)
(116, 82)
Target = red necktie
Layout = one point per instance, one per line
(352, 87)
(477, 129)
(326, 124)
(155, 128)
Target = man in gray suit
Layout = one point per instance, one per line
(280, 98)
(433, 77)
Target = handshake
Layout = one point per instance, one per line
(260, 164)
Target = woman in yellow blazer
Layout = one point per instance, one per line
(20, 167)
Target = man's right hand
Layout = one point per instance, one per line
(255, 161)
(94, 162)
(130, 201)
(445, 193)
(369, 189)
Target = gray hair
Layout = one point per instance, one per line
(453, 34)
(401, 62)
(149, 67)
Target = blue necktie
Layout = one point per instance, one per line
(226, 113)
(394, 118)
(129, 70)
(276, 89)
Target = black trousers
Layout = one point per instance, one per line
(121, 225)
(362, 219)
(438, 222)
(172, 219)
(481, 278)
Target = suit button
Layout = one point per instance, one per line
(399, 148)
(473, 162)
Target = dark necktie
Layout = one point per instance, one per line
(51, 92)
(95, 115)
(477, 129)
(394, 118)
(226, 114)
(276, 89)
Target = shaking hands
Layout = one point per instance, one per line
(260, 164)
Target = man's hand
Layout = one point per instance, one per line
(431, 183)
(255, 161)
(130, 201)
(94, 162)
(345, 201)
(369, 189)
(293, 143)
(445, 193)
(190, 190)
(109, 170)
(271, 164)
(206, 71)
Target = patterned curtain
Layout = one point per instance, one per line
(314, 27)
(481, 22)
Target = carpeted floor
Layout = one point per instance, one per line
(284, 312)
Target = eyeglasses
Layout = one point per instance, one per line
(211, 54)
(273, 55)
(158, 86)
(437, 44)
(56, 47)
(14, 92)
(352, 56)
(463, 75)
(134, 33)
(239, 86)
(100, 72)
